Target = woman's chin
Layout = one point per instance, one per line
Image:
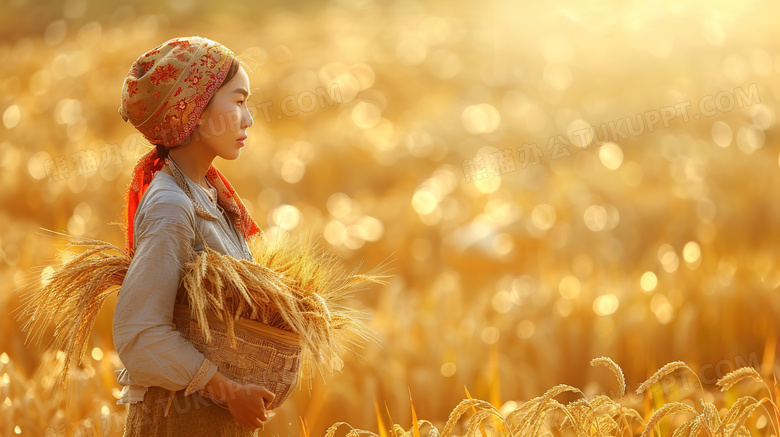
(232, 155)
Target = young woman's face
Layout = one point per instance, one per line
(226, 118)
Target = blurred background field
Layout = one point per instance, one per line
(648, 248)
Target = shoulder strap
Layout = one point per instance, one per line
(199, 210)
(199, 236)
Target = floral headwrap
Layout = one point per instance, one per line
(163, 96)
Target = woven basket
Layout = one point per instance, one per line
(264, 355)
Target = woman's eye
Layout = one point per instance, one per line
(240, 102)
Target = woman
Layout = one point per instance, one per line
(188, 97)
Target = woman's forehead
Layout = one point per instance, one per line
(238, 84)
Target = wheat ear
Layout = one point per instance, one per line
(606, 361)
(732, 378)
(670, 408)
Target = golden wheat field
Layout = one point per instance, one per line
(580, 201)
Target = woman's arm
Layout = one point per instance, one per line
(152, 350)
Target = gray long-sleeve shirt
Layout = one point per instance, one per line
(153, 352)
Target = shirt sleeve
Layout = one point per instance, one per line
(152, 350)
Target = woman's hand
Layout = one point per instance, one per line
(248, 405)
(246, 402)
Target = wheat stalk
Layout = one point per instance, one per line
(353, 432)
(595, 413)
(292, 284)
(459, 410)
(604, 361)
(710, 417)
(689, 428)
(670, 408)
(732, 378)
(578, 428)
(739, 420)
(71, 298)
(660, 373)
(549, 394)
(486, 409)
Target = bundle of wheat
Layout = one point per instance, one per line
(70, 298)
(292, 285)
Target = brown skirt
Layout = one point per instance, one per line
(192, 415)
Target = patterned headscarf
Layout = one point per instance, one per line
(163, 96)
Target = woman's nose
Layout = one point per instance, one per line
(248, 121)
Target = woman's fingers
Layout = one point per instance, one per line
(255, 414)
(268, 396)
